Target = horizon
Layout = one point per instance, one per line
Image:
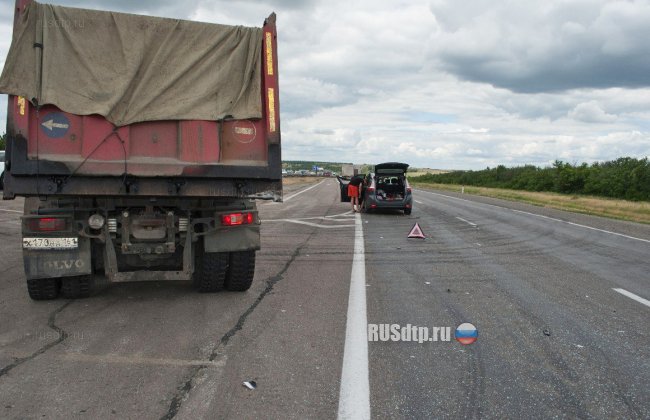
(444, 84)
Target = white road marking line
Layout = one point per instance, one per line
(330, 218)
(467, 221)
(354, 395)
(543, 217)
(346, 214)
(633, 296)
(333, 218)
(12, 211)
(582, 226)
(419, 202)
(300, 192)
(302, 222)
(139, 360)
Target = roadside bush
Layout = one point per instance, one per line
(625, 178)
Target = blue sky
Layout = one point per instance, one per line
(445, 84)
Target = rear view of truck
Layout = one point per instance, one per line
(141, 145)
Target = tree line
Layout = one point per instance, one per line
(625, 178)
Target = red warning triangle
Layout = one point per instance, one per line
(416, 232)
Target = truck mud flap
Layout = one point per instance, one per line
(238, 238)
(41, 264)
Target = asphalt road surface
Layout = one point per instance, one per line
(560, 302)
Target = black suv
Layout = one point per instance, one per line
(385, 188)
(388, 188)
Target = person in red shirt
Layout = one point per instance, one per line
(354, 189)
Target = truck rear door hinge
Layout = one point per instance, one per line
(58, 182)
(130, 185)
(175, 186)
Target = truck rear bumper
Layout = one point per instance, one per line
(136, 243)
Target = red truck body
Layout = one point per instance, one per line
(153, 200)
(53, 152)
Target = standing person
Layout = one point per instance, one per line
(354, 188)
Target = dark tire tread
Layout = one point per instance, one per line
(241, 271)
(210, 271)
(76, 287)
(43, 289)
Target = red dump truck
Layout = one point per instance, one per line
(141, 145)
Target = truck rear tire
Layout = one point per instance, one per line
(407, 211)
(76, 287)
(210, 272)
(241, 271)
(43, 289)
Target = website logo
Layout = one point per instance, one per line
(466, 333)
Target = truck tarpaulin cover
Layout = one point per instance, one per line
(131, 68)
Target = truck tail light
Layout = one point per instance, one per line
(47, 224)
(234, 219)
(408, 189)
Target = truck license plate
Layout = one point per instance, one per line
(50, 243)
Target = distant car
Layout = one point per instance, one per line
(2, 169)
(388, 188)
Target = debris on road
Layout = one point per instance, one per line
(250, 384)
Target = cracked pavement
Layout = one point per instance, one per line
(557, 337)
(162, 350)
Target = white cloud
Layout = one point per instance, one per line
(447, 84)
(591, 112)
(551, 46)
